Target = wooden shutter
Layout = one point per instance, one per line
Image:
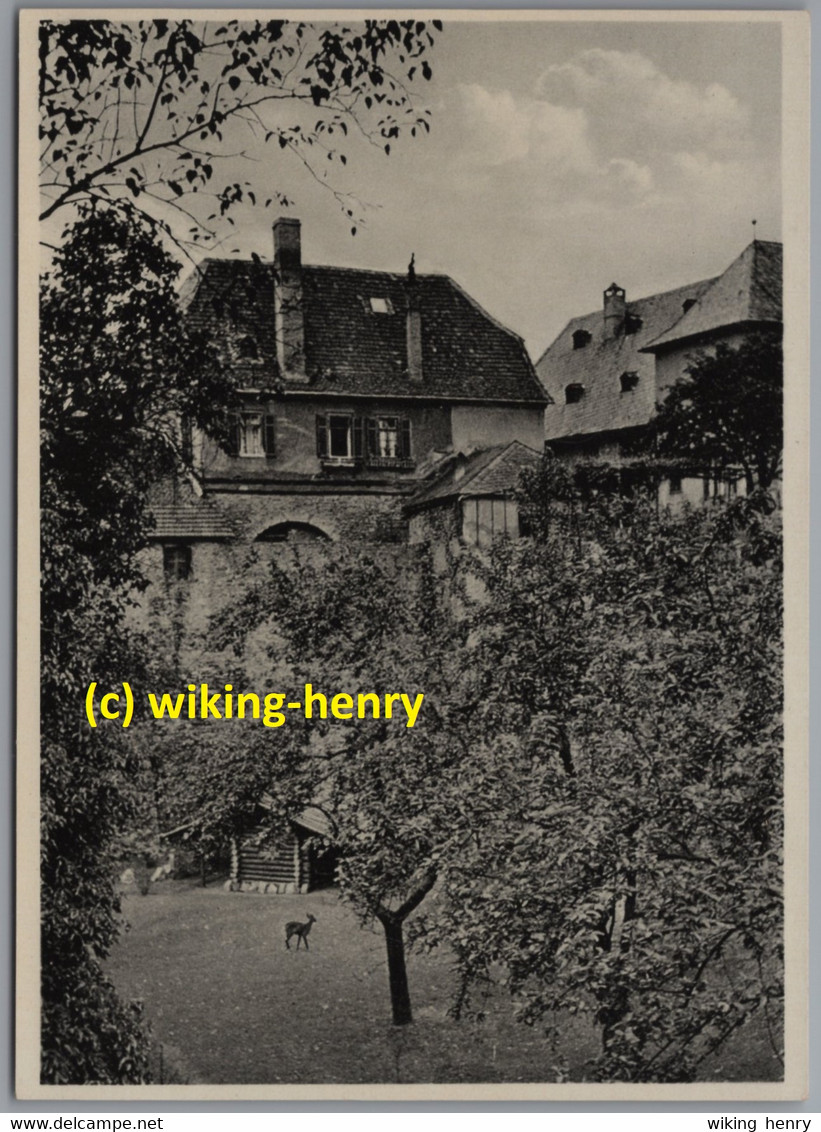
(321, 436)
(357, 437)
(234, 425)
(371, 442)
(404, 439)
(269, 440)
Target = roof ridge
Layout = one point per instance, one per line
(398, 275)
(470, 476)
(500, 450)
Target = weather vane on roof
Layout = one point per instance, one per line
(754, 224)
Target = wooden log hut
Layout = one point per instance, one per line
(292, 864)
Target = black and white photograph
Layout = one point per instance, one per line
(413, 583)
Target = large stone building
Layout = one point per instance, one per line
(607, 370)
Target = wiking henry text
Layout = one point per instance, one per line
(270, 708)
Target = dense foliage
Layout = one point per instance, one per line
(633, 874)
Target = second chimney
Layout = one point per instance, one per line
(289, 319)
(414, 326)
(615, 308)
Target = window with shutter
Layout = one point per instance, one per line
(339, 435)
(321, 437)
(388, 442)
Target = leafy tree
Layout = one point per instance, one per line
(144, 114)
(728, 411)
(116, 369)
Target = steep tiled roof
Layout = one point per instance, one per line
(351, 349)
(488, 471)
(748, 291)
(598, 366)
(181, 514)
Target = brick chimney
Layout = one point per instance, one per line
(615, 308)
(414, 326)
(289, 319)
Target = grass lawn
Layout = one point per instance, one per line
(229, 1005)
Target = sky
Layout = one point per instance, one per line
(564, 155)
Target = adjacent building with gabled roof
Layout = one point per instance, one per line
(607, 370)
(472, 495)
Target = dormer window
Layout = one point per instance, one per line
(573, 393)
(581, 338)
(632, 324)
(628, 381)
(380, 305)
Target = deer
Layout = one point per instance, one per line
(300, 931)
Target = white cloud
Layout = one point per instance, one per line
(607, 129)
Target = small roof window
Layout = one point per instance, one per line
(581, 338)
(632, 324)
(573, 393)
(380, 305)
